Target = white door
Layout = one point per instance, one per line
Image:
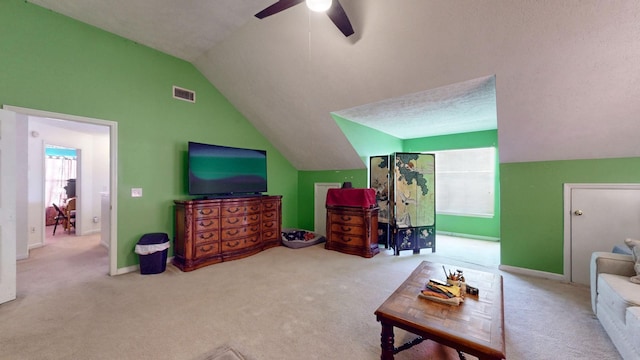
(7, 206)
(601, 218)
(320, 211)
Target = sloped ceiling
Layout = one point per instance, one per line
(565, 74)
(451, 109)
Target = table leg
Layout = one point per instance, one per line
(387, 342)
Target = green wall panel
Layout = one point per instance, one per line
(532, 224)
(367, 141)
(306, 184)
(53, 63)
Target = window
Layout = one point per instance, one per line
(60, 166)
(465, 182)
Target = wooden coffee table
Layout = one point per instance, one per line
(476, 327)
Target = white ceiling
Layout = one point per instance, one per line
(543, 68)
(81, 127)
(185, 29)
(458, 108)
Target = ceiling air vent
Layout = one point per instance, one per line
(184, 94)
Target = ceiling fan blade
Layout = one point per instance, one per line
(339, 17)
(277, 7)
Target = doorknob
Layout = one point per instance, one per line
(578, 212)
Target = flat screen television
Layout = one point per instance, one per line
(216, 170)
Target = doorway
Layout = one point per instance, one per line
(597, 218)
(60, 180)
(320, 211)
(71, 124)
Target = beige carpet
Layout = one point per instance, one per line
(280, 304)
(223, 353)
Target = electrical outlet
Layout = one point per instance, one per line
(136, 192)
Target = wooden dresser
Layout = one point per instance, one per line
(352, 230)
(216, 230)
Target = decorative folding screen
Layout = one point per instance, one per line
(405, 192)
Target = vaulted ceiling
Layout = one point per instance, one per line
(543, 69)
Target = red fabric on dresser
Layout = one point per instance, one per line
(363, 198)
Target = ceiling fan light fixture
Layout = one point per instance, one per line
(318, 5)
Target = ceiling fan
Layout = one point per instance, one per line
(335, 12)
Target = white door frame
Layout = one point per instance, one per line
(113, 169)
(568, 187)
(8, 206)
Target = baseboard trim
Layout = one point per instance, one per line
(534, 273)
(136, 268)
(469, 236)
(128, 269)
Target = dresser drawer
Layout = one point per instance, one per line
(269, 225)
(203, 251)
(240, 232)
(240, 210)
(347, 239)
(270, 234)
(240, 220)
(269, 215)
(347, 219)
(347, 229)
(206, 212)
(270, 205)
(238, 244)
(204, 224)
(204, 237)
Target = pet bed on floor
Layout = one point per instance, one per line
(298, 238)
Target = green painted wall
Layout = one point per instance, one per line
(532, 225)
(470, 225)
(53, 63)
(306, 181)
(367, 141)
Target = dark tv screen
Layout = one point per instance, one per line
(222, 170)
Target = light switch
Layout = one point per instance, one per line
(136, 192)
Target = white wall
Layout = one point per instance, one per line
(93, 171)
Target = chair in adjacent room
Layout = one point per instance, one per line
(70, 214)
(60, 218)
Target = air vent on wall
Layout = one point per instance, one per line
(184, 94)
